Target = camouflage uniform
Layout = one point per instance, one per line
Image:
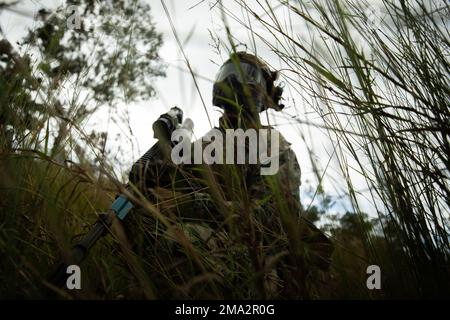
(256, 219)
(240, 220)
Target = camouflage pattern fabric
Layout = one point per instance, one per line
(239, 220)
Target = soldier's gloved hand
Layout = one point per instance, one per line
(187, 128)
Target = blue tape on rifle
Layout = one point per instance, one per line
(122, 206)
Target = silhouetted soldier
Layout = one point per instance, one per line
(224, 205)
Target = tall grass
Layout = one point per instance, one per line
(382, 94)
(380, 85)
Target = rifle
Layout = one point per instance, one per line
(162, 128)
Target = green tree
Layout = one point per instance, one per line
(68, 71)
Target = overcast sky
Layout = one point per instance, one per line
(178, 88)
